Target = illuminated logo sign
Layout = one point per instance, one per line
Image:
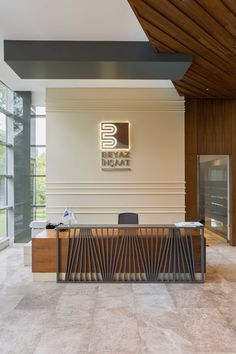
(115, 145)
(114, 136)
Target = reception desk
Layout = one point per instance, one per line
(120, 253)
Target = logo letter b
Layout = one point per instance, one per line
(107, 139)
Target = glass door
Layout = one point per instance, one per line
(213, 197)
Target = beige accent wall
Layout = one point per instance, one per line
(155, 186)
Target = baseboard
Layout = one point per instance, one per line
(4, 243)
(44, 277)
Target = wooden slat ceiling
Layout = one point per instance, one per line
(204, 28)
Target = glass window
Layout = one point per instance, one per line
(18, 105)
(214, 192)
(39, 192)
(2, 159)
(39, 213)
(2, 127)
(14, 161)
(38, 131)
(3, 223)
(3, 191)
(6, 98)
(38, 163)
(3, 96)
(10, 132)
(38, 160)
(10, 101)
(4, 162)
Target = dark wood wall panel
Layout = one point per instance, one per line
(233, 176)
(191, 159)
(210, 129)
(214, 119)
(191, 187)
(191, 126)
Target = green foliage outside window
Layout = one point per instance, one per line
(38, 170)
(3, 223)
(2, 159)
(41, 163)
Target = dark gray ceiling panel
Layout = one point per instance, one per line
(93, 60)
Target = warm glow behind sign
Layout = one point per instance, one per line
(114, 136)
(115, 145)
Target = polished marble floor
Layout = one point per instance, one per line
(48, 318)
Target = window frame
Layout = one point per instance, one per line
(8, 175)
(35, 206)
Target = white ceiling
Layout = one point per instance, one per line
(68, 20)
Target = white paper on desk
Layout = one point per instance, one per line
(74, 220)
(188, 224)
(38, 224)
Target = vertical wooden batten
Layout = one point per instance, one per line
(204, 28)
(233, 177)
(210, 129)
(191, 158)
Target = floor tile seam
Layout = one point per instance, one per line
(60, 311)
(40, 332)
(38, 341)
(61, 330)
(21, 298)
(223, 255)
(186, 337)
(92, 326)
(140, 341)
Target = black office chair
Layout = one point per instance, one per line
(128, 218)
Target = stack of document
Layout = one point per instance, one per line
(188, 224)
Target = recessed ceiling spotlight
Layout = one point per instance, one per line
(207, 89)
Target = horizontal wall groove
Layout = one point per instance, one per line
(132, 105)
(117, 207)
(112, 188)
(114, 193)
(125, 109)
(115, 182)
(116, 212)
